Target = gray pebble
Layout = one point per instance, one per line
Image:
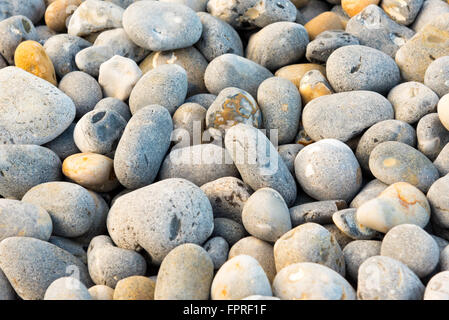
(370, 191)
(313, 8)
(319, 50)
(196, 5)
(116, 105)
(189, 122)
(432, 135)
(438, 288)
(218, 249)
(32, 9)
(25, 166)
(204, 99)
(67, 288)
(229, 230)
(90, 59)
(44, 33)
(429, 11)
(64, 145)
(444, 259)
(143, 145)
(6, 291)
(437, 76)
(288, 153)
(438, 196)
(442, 161)
(346, 221)
(318, 212)
(357, 252)
(70, 246)
(403, 12)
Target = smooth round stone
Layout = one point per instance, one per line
(160, 26)
(359, 67)
(400, 203)
(38, 116)
(217, 38)
(83, 89)
(179, 209)
(58, 13)
(90, 59)
(344, 115)
(384, 278)
(428, 44)
(6, 291)
(218, 249)
(70, 206)
(432, 135)
(325, 21)
(443, 110)
(318, 212)
(438, 287)
(356, 252)
(309, 242)
(394, 161)
(346, 221)
(311, 281)
(280, 103)
(252, 13)
(118, 76)
(438, 196)
(199, 164)
(109, 264)
(375, 29)
(353, 7)
(227, 196)
(228, 229)
(67, 288)
(24, 166)
(412, 100)
(32, 9)
(204, 99)
(94, 16)
(288, 153)
(295, 72)
(99, 131)
(13, 31)
(313, 85)
(165, 85)
(412, 246)
(186, 273)
(31, 57)
(24, 220)
(278, 45)
(328, 170)
(430, 9)
(64, 145)
(135, 288)
(265, 215)
(240, 277)
(189, 122)
(319, 50)
(403, 12)
(258, 161)
(387, 130)
(44, 33)
(101, 292)
(231, 70)
(370, 191)
(233, 106)
(437, 76)
(116, 105)
(34, 264)
(142, 147)
(70, 246)
(62, 49)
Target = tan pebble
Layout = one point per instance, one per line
(323, 22)
(135, 288)
(58, 12)
(101, 292)
(353, 7)
(313, 85)
(295, 72)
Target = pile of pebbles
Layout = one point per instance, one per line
(208, 149)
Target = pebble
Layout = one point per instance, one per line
(313, 8)
(412, 100)
(101, 292)
(67, 288)
(59, 12)
(35, 118)
(161, 26)
(116, 105)
(180, 209)
(328, 170)
(186, 273)
(319, 50)
(354, 7)
(311, 281)
(229, 230)
(288, 153)
(189, 122)
(430, 9)
(309, 242)
(339, 236)
(70, 246)
(165, 85)
(24, 166)
(437, 288)
(204, 99)
(437, 76)
(357, 252)
(143, 146)
(370, 191)
(439, 201)
(394, 161)
(44, 33)
(6, 291)
(64, 145)
(432, 136)
(444, 259)
(196, 5)
(358, 67)
(323, 22)
(34, 264)
(344, 115)
(218, 249)
(90, 59)
(403, 12)
(384, 278)
(240, 277)
(295, 72)
(313, 85)
(135, 288)
(346, 221)
(317, 211)
(412, 246)
(443, 110)
(32, 9)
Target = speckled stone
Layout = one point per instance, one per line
(437, 288)
(384, 278)
(313, 85)
(115, 105)
(438, 196)
(90, 59)
(432, 135)
(228, 229)
(403, 12)
(100, 292)
(218, 250)
(319, 50)
(311, 281)
(370, 191)
(437, 76)
(394, 161)
(346, 221)
(70, 246)
(288, 153)
(64, 145)
(135, 288)
(32, 9)
(357, 252)
(318, 212)
(204, 99)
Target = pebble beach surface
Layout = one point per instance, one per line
(224, 150)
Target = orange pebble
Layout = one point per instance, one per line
(58, 12)
(323, 22)
(353, 7)
(295, 72)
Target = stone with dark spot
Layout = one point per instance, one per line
(319, 50)
(318, 212)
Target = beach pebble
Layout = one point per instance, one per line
(353, 7)
(437, 76)
(357, 252)
(328, 170)
(318, 212)
(313, 85)
(412, 246)
(59, 12)
(196, 5)
(346, 221)
(231, 70)
(180, 209)
(295, 72)
(230, 230)
(218, 249)
(443, 110)
(189, 122)
(70, 246)
(34, 264)
(358, 67)
(432, 135)
(370, 191)
(384, 278)
(101, 292)
(64, 145)
(313, 8)
(430, 9)
(323, 22)
(288, 153)
(44, 33)
(438, 287)
(319, 50)
(24, 166)
(6, 291)
(344, 115)
(438, 196)
(309, 242)
(67, 288)
(444, 259)
(394, 161)
(186, 273)
(403, 12)
(32, 9)
(116, 105)
(143, 146)
(90, 59)
(135, 288)
(339, 236)
(165, 85)
(161, 26)
(240, 277)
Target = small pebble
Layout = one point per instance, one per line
(353, 7)
(437, 76)
(318, 212)
(228, 229)
(58, 13)
(432, 136)
(64, 145)
(403, 12)
(288, 153)
(346, 221)
(135, 288)
(295, 72)
(313, 85)
(438, 288)
(357, 252)
(101, 292)
(116, 105)
(319, 50)
(370, 191)
(325, 21)
(218, 250)
(89, 60)
(438, 197)
(67, 288)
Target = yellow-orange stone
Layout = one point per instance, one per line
(58, 12)
(295, 72)
(31, 57)
(323, 22)
(135, 288)
(353, 7)
(310, 90)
